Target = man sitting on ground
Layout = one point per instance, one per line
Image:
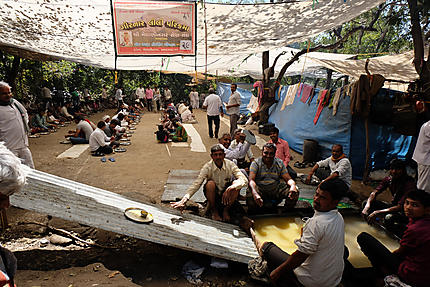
(411, 261)
(319, 258)
(114, 130)
(338, 164)
(64, 110)
(100, 144)
(400, 185)
(82, 133)
(219, 189)
(266, 190)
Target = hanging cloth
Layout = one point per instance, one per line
(259, 86)
(289, 97)
(278, 93)
(320, 105)
(307, 91)
(299, 92)
(336, 99)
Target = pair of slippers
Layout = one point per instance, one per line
(303, 164)
(111, 159)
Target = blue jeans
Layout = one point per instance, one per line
(78, 140)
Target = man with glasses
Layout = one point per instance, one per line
(14, 125)
(268, 183)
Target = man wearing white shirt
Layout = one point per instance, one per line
(239, 151)
(422, 157)
(233, 108)
(213, 106)
(194, 99)
(140, 93)
(119, 97)
(14, 125)
(99, 142)
(319, 258)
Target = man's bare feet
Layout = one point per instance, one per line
(226, 215)
(215, 216)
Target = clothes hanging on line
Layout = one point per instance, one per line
(362, 93)
(289, 97)
(321, 104)
(336, 99)
(306, 92)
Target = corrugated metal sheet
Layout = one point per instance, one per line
(100, 208)
(177, 184)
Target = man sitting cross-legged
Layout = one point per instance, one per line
(266, 190)
(223, 183)
(100, 143)
(319, 258)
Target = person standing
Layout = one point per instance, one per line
(194, 99)
(233, 108)
(157, 98)
(167, 97)
(140, 93)
(213, 106)
(422, 157)
(118, 97)
(149, 95)
(14, 125)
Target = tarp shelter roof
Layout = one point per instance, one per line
(399, 67)
(81, 30)
(243, 65)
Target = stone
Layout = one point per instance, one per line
(59, 240)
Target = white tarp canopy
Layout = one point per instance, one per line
(243, 65)
(397, 67)
(81, 30)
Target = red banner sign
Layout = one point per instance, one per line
(155, 28)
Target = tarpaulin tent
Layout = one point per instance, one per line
(81, 30)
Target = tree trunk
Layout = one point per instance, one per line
(421, 66)
(329, 75)
(264, 109)
(13, 72)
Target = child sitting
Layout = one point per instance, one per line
(162, 135)
(180, 134)
(411, 261)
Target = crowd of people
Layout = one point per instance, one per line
(321, 258)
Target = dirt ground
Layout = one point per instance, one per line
(140, 174)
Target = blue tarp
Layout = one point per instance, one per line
(223, 90)
(295, 124)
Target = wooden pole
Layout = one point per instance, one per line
(3, 217)
(366, 166)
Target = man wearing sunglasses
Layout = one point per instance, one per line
(268, 183)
